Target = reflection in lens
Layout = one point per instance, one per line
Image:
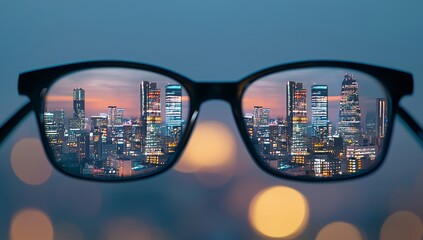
(114, 123)
(317, 122)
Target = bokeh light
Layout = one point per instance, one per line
(67, 231)
(402, 225)
(31, 224)
(29, 162)
(130, 229)
(279, 212)
(211, 148)
(339, 230)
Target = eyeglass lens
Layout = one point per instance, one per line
(317, 122)
(111, 123)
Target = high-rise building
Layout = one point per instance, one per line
(319, 111)
(119, 116)
(299, 141)
(153, 141)
(78, 109)
(263, 141)
(99, 131)
(59, 120)
(265, 119)
(291, 87)
(83, 144)
(257, 116)
(349, 112)
(144, 88)
(111, 112)
(52, 133)
(173, 109)
(381, 119)
(249, 124)
(370, 128)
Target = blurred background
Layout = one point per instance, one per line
(209, 41)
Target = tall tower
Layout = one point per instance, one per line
(144, 88)
(265, 120)
(299, 143)
(257, 116)
(319, 111)
(153, 140)
(119, 116)
(173, 109)
(291, 89)
(111, 112)
(381, 119)
(349, 112)
(79, 108)
(370, 127)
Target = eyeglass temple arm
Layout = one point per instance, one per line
(14, 120)
(418, 131)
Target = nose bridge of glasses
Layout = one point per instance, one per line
(226, 91)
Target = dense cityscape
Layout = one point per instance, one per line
(313, 147)
(111, 146)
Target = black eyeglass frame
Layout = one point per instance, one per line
(35, 85)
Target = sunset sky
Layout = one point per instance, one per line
(270, 91)
(120, 87)
(105, 87)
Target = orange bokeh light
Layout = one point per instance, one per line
(31, 224)
(339, 230)
(279, 212)
(211, 148)
(29, 162)
(402, 225)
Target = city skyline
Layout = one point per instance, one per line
(109, 142)
(331, 124)
(304, 140)
(269, 91)
(108, 86)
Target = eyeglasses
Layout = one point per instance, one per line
(309, 121)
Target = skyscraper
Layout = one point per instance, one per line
(291, 87)
(370, 128)
(173, 109)
(119, 116)
(299, 142)
(265, 119)
(78, 108)
(51, 129)
(249, 124)
(153, 141)
(349, 112)
(381, 119)
(144, 88)
(319, 111)
(257, 116)
(100, 135)
(111, 112)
